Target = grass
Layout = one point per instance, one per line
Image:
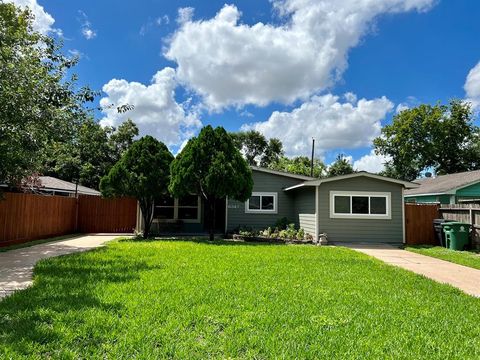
(187, 299)
(37, 242)
(467, 258)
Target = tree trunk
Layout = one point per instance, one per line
(146, 208)
(212, 222)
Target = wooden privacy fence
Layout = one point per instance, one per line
(106, 215)
(419, 224)
(26, 217)
(469, 213)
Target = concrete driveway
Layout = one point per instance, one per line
(462, 277)
(16, 266)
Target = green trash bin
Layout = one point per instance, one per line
(457, 235)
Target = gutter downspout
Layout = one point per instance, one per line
(317, 213)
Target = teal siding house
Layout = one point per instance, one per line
(359, 207)
(446, 189)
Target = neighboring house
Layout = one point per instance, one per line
(446, 189)
(54, 186)
(359, 207)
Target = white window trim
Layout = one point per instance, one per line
(260, 211)
(175, 213)
(387, 195)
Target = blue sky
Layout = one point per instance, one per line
(280, 67)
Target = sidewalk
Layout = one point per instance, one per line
(465, 278)
(16, 266)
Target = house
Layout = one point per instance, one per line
(53, 186)
(446, 189)
(359, 207)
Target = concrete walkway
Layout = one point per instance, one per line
(16, 266)
(462, 277)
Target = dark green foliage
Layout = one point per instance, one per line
(89, 153)
(341, 166)
(211, 165)
(256, 149)
(39, 103)
(443, 137)
(122, 138)
(143, 172)
(300, 165)
(225, 300)
(281, 223)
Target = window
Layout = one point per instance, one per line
(186, 208)
(264, 202)
(164, 208)
(360, 205)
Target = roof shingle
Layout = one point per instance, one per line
(445, 183)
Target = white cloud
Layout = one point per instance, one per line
(155, 110)
(231, 63)
(332, 123)
(87, 31)
(472, 86)
(163, 20)
(185, 15)
(371, 162)
(43, 21)
(400, 107)
(410, 101)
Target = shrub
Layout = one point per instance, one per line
(291, 232)
(246, 231)
(267, 232)
(300, 234)
(282, 223)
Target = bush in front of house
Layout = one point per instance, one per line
(289, 233)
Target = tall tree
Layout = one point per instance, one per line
(439, 136)
(38, 100)
(300, 165)
(341, 166)
(122, 138)
(211, 166)
(90, 153)
(256, 149)
(143, 172)
(272, 152)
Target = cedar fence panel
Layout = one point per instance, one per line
(468, 213)
(419, 224)
(26, 217)
(96, 214)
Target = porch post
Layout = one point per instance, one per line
(226, 215)
(403, 216)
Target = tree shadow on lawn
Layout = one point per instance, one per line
(65, 285)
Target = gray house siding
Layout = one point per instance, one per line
(362, 230)
(305, 208)
(263, 182)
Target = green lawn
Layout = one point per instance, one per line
(467, 258)
(171, 299)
